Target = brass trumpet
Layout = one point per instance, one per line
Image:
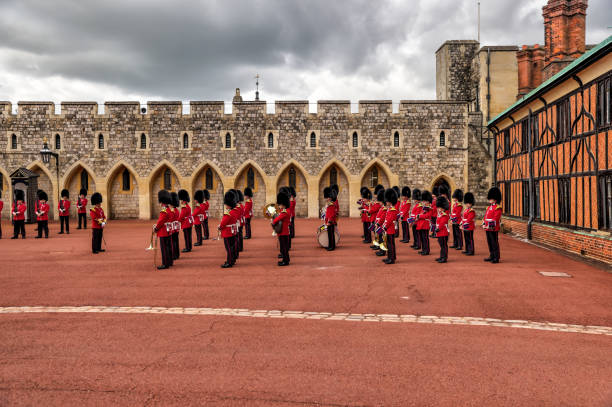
(270, 210)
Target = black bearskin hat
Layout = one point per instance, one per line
(406, 192)
(380, 196)
(378, 188)
(495, 193)
(198, 196)
(368, 194)
(426, 196)
(292, 191)
(335, 188)
(391, 196)
(282, 199)
(174, 201)
(469, 198)
(364, 192)
(248, 192)
(163, 197)
(183, 195)
(435, 191)
(458, 195)
(96, 198)
(416, 194)
(284, 190)
(19, 195)
(229, 199)
(83, 191)
(397, 191)
(240, 196)
(327, 192)
(443, 190)
(206, 194)
(42, 196)
(65, 193)
(442, 202)
(361, 190)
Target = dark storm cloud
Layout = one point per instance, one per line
(203, 49)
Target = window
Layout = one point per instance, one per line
(525, 198)
(14, 142)
(507, 142)
(564, 200)
(228, 140)
(535, 132)
(333, 176)
(58, 142)
(313, 140)
(125, 180)
(185, 141)
(396, 139)
(209, 179)
(355, 140)
(143, 141)
(605, 202)
(507, 197)
(84, 179)
(292, 177)
(100, 141)
(524, 135)
(251, 178)
(604, 111)
(167, 179)
(563, 119)
(270, 140)
(442, 139)
(374, 177)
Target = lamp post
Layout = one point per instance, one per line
(45, 155)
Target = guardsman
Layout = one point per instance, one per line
(364, 206)
(373, 209)
(397, 206)
(248, 211)
(164, 228)
(424, 220)
(435, 192)
(467, 224)
(176, 225)
(282, 231)
(491, 224)
(186, 219)
(1, 206)
(19, 210)
(42, 215)
(36, 203)
(331, 217)
(456, 215)
(235, 212)
(379, 220)
(336, 203)
(64, 211)
(389, 224)
(286, 191)
(205, 207)
(240, 207)
(292, 204)
(414, 213)
(198, 217)
(81, 205)
(443, 207)
(227, 228)
(404, 210)
(98, 221)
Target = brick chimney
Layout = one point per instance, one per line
(530, 61)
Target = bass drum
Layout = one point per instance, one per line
(322, 236)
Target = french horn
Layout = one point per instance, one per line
(270, 211)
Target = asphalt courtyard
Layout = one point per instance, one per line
(332, 329)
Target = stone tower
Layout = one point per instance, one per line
(453, 70)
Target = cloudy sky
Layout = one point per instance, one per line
(201, 50)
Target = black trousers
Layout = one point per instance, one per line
(433, 222)
(64, 220)
(290, 239)
(367, 236)
(283, 242)
(493, 242)
(240, 239)
(292, 228)
(469, 241)
(83, 218)
(198, 230)
(176, 253)
(165, 246)
(228, 242)
(331, 236)
(405, 231)
(397, 230)
(96, 240)
(19, 227)
(43, 225)
(391, 255)
(457, 236)
(236, 247)
(424, 240)
(247, 228)
(417, 237)
(187, 235)
(205, 227)
(443, 242)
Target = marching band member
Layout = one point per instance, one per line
(336, 203)
(286, 191)
(164, 228)
(417, 208)
(331, 216)
(19, 210)
(364, 207)
(198, 217)
(292, 204)
(98, 221)
(434, 196)
(442, 206)
(240, 207)
(227, 228)
(36, 203)
(186, 219)
(1, 206)
(379, 220)
(389, 224)
(492, 222)
(404, 210)
(205, 207)
(456, 215)
(81, 205)
(284, 218)
(176, 225)
(235, 212)
(373, 209)
(64, 211)
(248, 211)
(42, 215)
(423, 221)
(467, 224)
(397, 206)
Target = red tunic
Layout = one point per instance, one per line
(248, 209)
(164, 223)
(44, 208)
(82, 205)
(416, 211)
(423, 218)
(373, 211)
(456, 213)
(442, 225)
(236, 214)
(467, 221)
(241, 209)
(196, 212)
(19, 211)
(185, 217)
(405, 210)
(492, 218)
(364, 208)
(97, 218)
(205, 207)
(331, 214)
(380, 216)
(389, 222)
(1, 206)
(292, 208)
(434, 207)
(66, 211)
(285, 217)
(228, 224)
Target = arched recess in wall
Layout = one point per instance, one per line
(374, 173)
(251, 175)
(79, 176)
(6, 195)
(46, 182)
(292, 173)
(443, 180)
(335, 172)
(208, 176)
(165, 176)
(122, 193)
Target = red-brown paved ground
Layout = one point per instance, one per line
(76, 359)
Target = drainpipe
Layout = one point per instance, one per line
(531, 180)
(489, 92)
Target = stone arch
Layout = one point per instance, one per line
(375, 167)
(217, 190)
(47, 182)
(122, 203)
(441, 179)
(343, 184)
(259, 187)
(7, 194)
(301, 185)
(72, 182)
(158, 177)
